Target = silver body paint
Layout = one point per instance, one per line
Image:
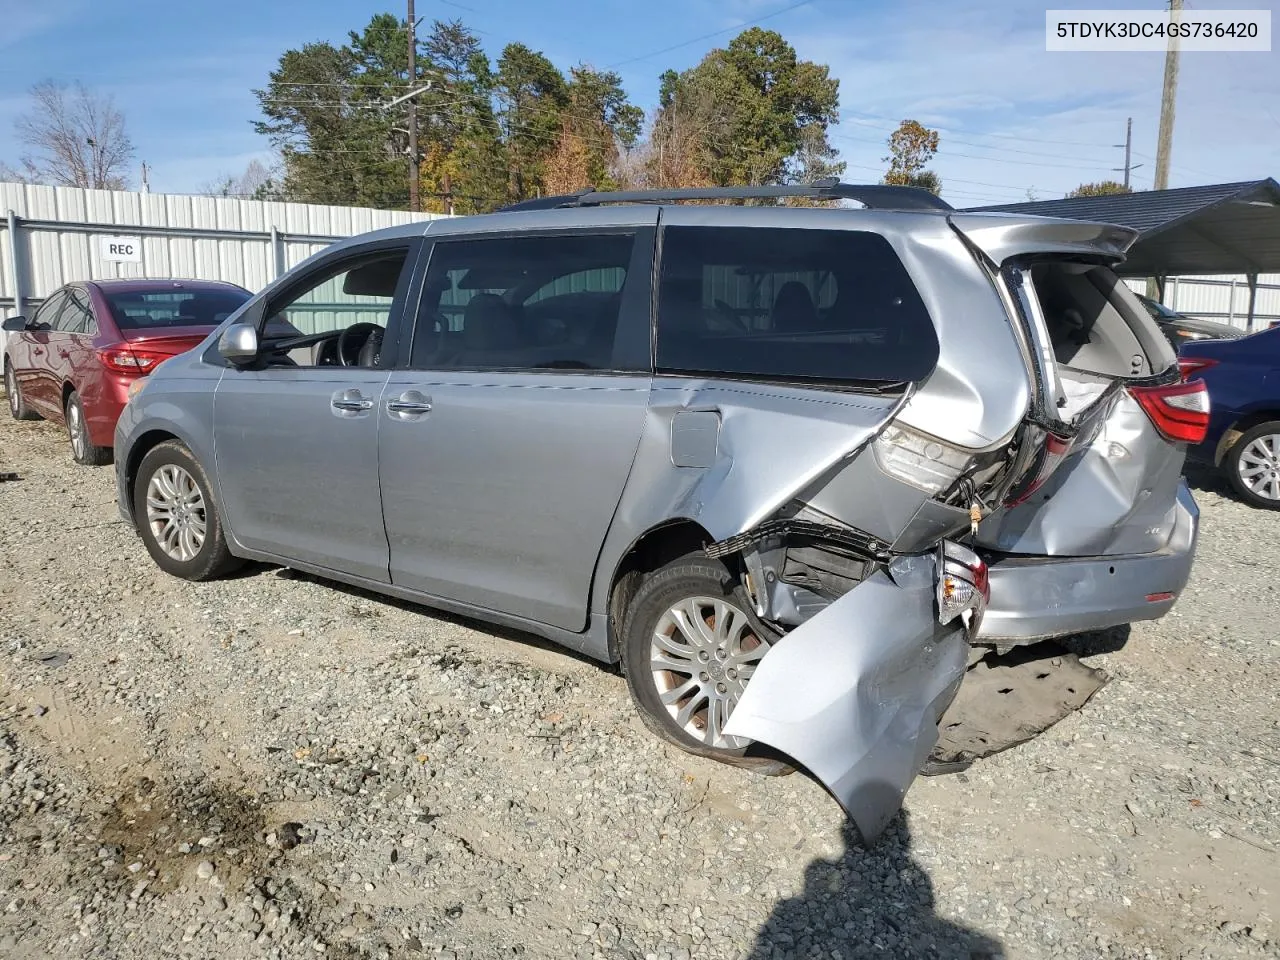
(523, 494)
(889, 670)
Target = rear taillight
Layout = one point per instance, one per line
(920, 460)
(1180, 411)
(1051, 454)
(134, 361)
(1190, 366)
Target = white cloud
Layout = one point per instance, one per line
(25, 20)
(981, 69)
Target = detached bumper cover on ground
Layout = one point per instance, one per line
(855, 693)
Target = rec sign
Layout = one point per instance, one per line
(120, 249)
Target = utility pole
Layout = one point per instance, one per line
(146, 183)
(1128, 149)
(415, 203)
(1129, 165)
(1164, 145)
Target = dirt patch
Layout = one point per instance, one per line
(170, 829)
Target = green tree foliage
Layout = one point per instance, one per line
(1103, 188)
(486, 132)
(494, 133)
(756, 112)
(321, 110)
(911, 147)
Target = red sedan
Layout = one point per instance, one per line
(74, 359)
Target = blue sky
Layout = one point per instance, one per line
(1013, 117)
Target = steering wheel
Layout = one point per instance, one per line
(350, 355)
(724, 308)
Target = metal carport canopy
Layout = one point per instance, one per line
(1214, 229)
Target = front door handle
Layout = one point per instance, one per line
(409, 405)
(350, 401)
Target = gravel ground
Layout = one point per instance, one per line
(274, 766)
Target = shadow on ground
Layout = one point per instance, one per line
(1201, 476)
(868, 903)
(483, 626)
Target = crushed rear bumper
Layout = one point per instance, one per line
(1034, 598)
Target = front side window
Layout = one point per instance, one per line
(142, 310)
(533, 302)
(831, 306)
(339, 314)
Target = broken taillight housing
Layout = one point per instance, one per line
(964, 585)
(920, 460)
(1180, 411)
(1053, 449)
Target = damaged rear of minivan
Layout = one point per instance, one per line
(897, 435)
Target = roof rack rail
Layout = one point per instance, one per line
(875, 196)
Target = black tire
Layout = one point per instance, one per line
(1241, 454)
(82, 449)
(213, 558)
(688, 577)
(18, 408)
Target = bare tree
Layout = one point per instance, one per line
(257, 182)
(78, 138)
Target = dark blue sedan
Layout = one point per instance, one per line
(1243, 377)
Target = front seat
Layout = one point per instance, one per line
(793, 309)
(488, 327)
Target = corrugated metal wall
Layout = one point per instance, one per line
(1222, 299)
(207, 238)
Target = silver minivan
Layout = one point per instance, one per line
(785, 464)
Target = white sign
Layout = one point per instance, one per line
(1233, 31)
(120, 249)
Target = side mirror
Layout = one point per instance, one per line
(14, 324)
(239, 344)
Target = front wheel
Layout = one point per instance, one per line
(1252, 465)
(82, 448)
(18, 408)
(177, 517)
(690, 644)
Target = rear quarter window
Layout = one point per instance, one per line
(829, 306)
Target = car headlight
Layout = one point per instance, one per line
(136, 387)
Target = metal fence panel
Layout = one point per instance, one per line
(205, 238)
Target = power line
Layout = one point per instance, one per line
(708, 36)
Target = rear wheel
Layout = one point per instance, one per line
(174, 510)
(1252, 465)
(18, 408)
(690, 644)
(82, 448)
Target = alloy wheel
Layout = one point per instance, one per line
(11, 388)
(1259, 466)
(75, 427)
(176, 512)
(702, 654)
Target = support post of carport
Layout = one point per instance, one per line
(1253, 299)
